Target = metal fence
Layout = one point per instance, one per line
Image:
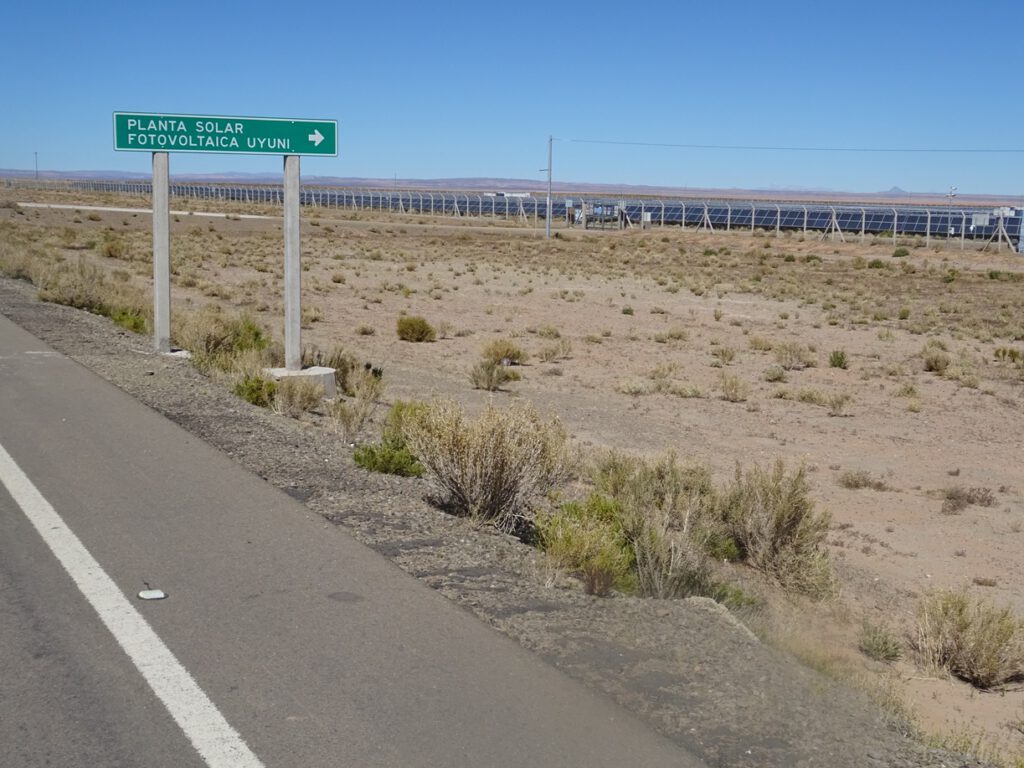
(842, 221)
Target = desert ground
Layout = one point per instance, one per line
(895, 380)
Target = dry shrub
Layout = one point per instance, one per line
(794, 357)
(19, 263)
(89, 287)
(661, 504)
(414, 328)
(668, 563)
(493, 468)
(957, 499)
(734, 389)
(970, 638)
(113, 247)
(838, 403)
(770, 517)
(560, 350)
(665, 487)
(812, 397)
(217, 339)
(861, 479)
(296, 395)
(935, 357)
(349, 416)
(504, 352)
(490, 375)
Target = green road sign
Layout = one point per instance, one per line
(143, 132)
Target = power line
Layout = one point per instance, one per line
(934, 150)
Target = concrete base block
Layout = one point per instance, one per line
(320, 374)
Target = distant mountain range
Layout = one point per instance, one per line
(486, 184)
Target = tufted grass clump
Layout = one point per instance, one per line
(560, 350)
(855, 480)
(296, 395)
(876, 641)
(838, 403)
(837, 359)
(497, 467)
(723, 355)
(415, 328)
(734, 389)
(113, 246)
(503, 351)
(793, 356)
(364, 389)
(935, 358)
(491, 376)
(86, 286)
(218, 339)
(22, 263)
(970, 638)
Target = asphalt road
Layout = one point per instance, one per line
(316, 651)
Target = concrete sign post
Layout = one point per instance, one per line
(292, 268)
(164, 133)
(161, 254)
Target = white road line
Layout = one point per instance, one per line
(145, 210)
(215, 740)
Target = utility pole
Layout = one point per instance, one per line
(36, 154)
(949, 215)
(547, 221)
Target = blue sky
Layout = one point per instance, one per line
(427, 90)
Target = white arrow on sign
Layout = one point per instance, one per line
(316, 137)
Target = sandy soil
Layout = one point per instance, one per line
(653, 325)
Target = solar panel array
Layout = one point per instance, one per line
(949, 221)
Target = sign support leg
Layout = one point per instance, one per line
(161, 254)
(292, 269)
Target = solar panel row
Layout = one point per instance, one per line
(940, 221)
